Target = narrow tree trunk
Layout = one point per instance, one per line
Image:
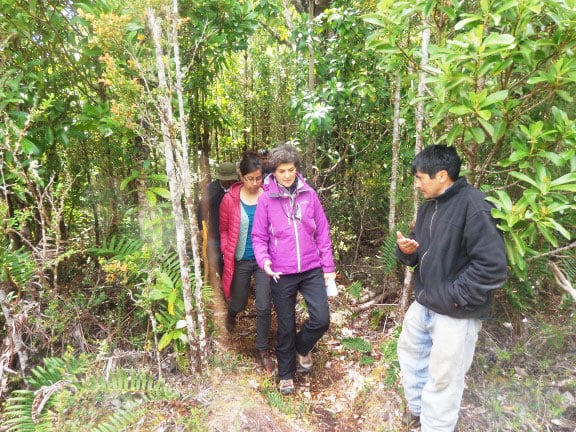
(422, 89)
(247, 124)
(310, 142)
(395, 152)
(407, 288)
(169, 141)
(187, 181)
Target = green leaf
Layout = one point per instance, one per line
(476, 134)
(375, 19)
(503, 200)
(460, 110)
(454, 133)
(519, 243)
(565, 187)
(567, 178)
(151, 197)
(565, 233)
(488, 127)
(163, 192)
(500, 128)
(563, 94)
(484, 114)
(496, 39)
(539, 78)
(519, 155)
(464, 22)
(494, 98)
(547, 234)
(165, 340)
(525, 178)
(29, 147)
(555, 158)
(133, 175)
(511, 253)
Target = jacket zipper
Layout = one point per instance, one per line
(430, 238)
(297, 245)
(292, 220)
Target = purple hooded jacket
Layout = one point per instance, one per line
(292, 233)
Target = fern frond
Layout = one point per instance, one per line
(15, 266)
(118, 247)
(139, 385)
(357, 344)
(387, 255)
(68, 396)
(355, 289)
(18, 412)
(50, 373)
(120, 420)
(171, 267)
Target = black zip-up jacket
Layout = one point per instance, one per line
(461, 257)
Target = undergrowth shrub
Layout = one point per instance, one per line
(72, 394)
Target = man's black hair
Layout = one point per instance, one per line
(436, 158)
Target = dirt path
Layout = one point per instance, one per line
(332, 397)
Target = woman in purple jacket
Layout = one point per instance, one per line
(291, 241)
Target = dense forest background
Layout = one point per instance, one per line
(114, 115)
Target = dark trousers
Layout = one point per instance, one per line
(312, 287)
(243, 272)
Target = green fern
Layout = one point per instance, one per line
(355, 289)
(121, 420)
(118, 247)
(18, 412)
(154, 277)
(171, 266)
(389, 356)
(68, 398)
(387, 255)
(357, 344)
(15, 266)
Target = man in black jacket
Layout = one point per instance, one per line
(209, 212)
(459, 258)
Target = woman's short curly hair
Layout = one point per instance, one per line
(282, 154)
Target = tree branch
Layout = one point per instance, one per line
(561, 279)
(553, 252)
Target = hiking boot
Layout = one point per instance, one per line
(304, 362)
(266, 361)
(410, 420)
(287, 387)
(230, 322)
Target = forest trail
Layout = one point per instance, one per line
(240, 396)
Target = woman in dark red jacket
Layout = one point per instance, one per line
(236, 218)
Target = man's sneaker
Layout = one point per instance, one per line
(287, 387)
(266, 361)
(304, 362)
(230, 322)
(410, 420)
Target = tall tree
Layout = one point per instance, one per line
(173, 149)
